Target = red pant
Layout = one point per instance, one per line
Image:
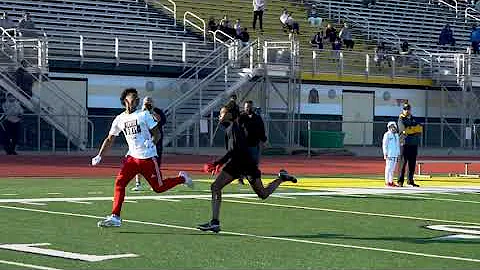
(149, 169)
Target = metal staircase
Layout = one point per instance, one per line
(209, 83)
(49, 101)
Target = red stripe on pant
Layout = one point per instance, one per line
(146, 167)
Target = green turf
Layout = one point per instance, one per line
(363, 223)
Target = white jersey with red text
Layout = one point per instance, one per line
(136, 127)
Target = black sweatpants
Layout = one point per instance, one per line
(408, 155)
(258, 14)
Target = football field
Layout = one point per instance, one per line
(346, 222)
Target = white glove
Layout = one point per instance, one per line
(96, 160)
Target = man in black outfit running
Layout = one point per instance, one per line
(410, 132)
(238, 162)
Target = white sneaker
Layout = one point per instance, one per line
(188, 180)
(110, 221)
(137, 188)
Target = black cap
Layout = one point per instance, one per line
(406, 106)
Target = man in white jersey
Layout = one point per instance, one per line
(141, 132)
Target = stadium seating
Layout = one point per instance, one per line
(100, 22)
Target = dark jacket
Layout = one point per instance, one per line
(161, 123)
(236, 145)
(254, 128)
(24, 80)
(409, 130)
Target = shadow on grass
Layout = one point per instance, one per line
(411, 240)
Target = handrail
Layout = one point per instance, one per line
(215, 39)
(207, 58)
(467, 15)
(173, 11)
(181, 98)
(452, 6)
(185, 21)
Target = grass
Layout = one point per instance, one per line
(331, 231)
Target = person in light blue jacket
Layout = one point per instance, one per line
(391, 152)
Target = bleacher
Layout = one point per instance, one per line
(418, 21)
(100, 22)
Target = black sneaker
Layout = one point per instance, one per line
(241, 182)
(283, 175)
(209, 226)
(400, 184)
(412, 184)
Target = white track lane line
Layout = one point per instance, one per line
(425, 198)
(419, 254)
(26, 265)
(349, 212)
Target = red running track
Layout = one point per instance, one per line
(79, 166)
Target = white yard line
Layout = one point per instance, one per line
(80, 202)
(33, 203)
(130, 201)
(426, 198)
(9, 194)
(328, 192)
(284, 239)
(54, 193)
(349, 212)
(28, 265)
(166, 200)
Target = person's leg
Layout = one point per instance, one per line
(401, 168)
(260, 14)
(387, 171)
(7, 137)
(412, 162)
(129, 170)
(223, 179)
(150, 169)
(15, 135)
(254, 24)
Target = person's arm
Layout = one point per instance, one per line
(152, 126)
(385, 145)
(261, 128)
(106, 145)
(155, 133)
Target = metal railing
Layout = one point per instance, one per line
(454, 6)
(172, 10)
(202, 28)
(365, 63)
(472, 13)
(229, 39)
(40, 136)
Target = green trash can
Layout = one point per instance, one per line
(323, 139)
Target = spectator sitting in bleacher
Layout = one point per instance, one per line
(446, 36)
(330, 33)
(212, 25)
(7, 24)
(227, 29)
(346, 35)
(313, 17)
(380, 55)
(244, 37)
(475, 39)
(336, 48)
(292, 25)
(238, 28)
(26, 26)
(317, 40)
(225, 21)
(404, 52)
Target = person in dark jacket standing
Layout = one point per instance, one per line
(254, 129)
(410, 134)
(24, 79)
